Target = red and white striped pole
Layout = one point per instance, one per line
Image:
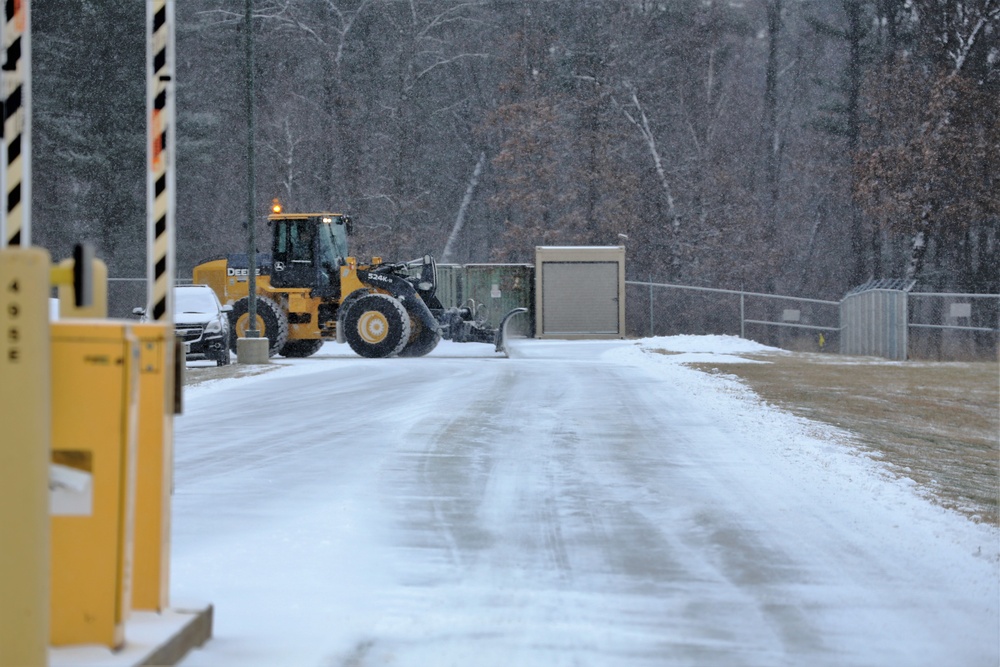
(15, 149)
(161, 157)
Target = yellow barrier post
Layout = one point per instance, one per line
(24, 456)
(93, 480)
(154, 469)
(97, 306)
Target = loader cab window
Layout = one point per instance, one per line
(332, 243)
(302, 237)
(294, 252)
(308, 252)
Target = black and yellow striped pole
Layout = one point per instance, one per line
(25, 388)
(154, 472)
(15, 214)
(161, 157)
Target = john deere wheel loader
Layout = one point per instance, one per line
(310, 290)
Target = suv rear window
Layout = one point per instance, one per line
(195, 301)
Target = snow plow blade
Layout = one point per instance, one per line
(501, 341)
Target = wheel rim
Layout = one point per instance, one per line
(243, 323)
(416, 328)
(373, 327)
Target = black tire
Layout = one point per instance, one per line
(345, 307)
(223, 358)
(299, 349)
(422, 338)
(271, 322)
(376, 326)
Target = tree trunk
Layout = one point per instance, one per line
(855, 73)
(918, 249)
(770, 129)
(449, 247)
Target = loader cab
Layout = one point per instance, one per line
(308, 250)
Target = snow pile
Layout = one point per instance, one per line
(718, 349)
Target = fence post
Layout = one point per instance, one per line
(651, 306)
(906, 326)
(743, 332)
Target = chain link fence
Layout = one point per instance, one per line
(939, 326)
(793, 323)
(927, 325)
(953, 326)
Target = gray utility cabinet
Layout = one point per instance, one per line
(580, 292)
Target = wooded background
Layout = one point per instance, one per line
(796, 146)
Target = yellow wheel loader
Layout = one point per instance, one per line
(310, 290)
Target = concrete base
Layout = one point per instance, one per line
(252, 351)
(151, 638)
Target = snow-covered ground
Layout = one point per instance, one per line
(581, 503)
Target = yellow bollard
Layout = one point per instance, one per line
(93, 478)
(154, 467)
(24, 455)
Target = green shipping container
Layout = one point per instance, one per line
(449, 284)
(499, 288)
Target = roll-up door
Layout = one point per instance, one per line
(580, 292)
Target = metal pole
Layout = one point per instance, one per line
(160, 179)
(906, 328)
(252, 331)
(15, 165)
(743, 319)
(651, 306)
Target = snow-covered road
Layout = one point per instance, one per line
(582, 503)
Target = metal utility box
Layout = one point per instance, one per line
(501, 288)
(580, 292)
(874, 322)
(154, 467)
(92, 479)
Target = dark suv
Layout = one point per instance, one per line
(202, 323)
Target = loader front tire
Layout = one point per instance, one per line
(422, 338)
(299, 349)
(272, 323)
(377, 325)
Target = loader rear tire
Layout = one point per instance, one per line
(298, 349)
(272, 323)
(377, 325)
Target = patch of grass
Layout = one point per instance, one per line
(195, 375)
(937, 423)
